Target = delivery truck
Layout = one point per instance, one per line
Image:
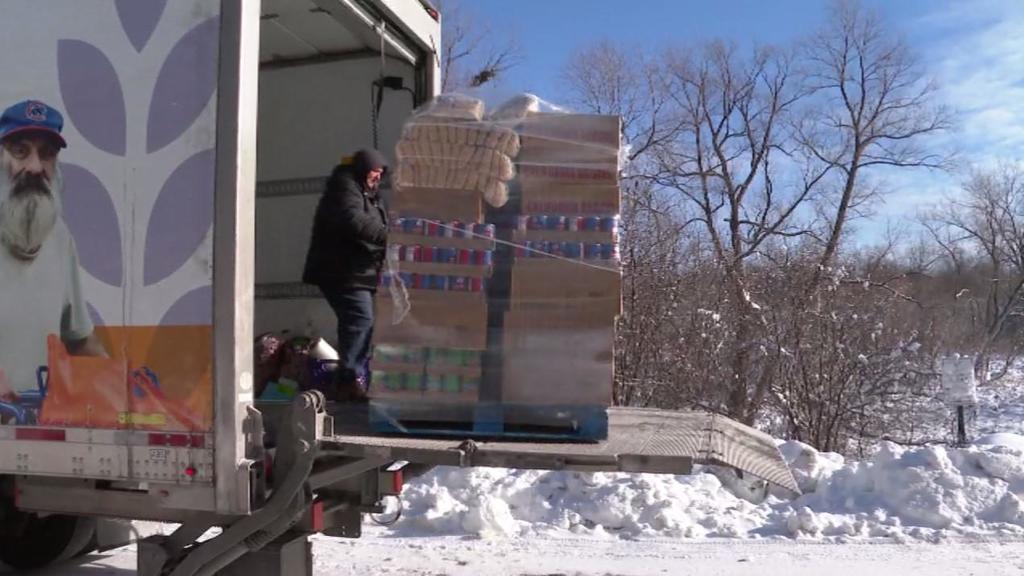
(161, 165)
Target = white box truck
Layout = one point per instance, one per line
(160, 165)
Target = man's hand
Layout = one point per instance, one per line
(88, 346)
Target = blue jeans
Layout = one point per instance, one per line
(354, 309)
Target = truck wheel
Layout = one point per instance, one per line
(29, 541)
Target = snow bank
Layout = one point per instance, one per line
(924, 493)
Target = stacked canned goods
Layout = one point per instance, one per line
(425, 370)
(440, 255)
(571, 250)
(439, 229)
(608, 224)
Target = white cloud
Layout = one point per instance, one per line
(980, 67)
(975, 50)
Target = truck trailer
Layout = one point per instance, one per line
(181, 148)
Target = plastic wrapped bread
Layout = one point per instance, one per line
(448, 146)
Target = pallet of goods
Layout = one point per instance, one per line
(504, 256)
(433, 304)
(565, 285)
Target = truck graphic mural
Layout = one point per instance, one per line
(133, 192)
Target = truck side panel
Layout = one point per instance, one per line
(106, 329)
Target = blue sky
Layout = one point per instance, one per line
(973, 48)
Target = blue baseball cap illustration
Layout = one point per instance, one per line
(32, 116)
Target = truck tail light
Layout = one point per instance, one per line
(49, 434)
(391, 482)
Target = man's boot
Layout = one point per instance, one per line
(351, 392)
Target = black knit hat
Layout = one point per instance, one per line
(366, 160)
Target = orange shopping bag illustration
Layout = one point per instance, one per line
(86, 392)
(109, 393)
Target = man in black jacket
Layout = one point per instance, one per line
(345, 258)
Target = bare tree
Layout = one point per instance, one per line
(873, 106)
(765, 153)
(982, 232)
(473, 53)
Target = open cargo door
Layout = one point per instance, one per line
(298, 32)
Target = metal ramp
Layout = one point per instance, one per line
(639, 440)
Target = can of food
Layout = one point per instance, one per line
(438, 282)
(419, 281)
(433, 383)
(535, 222)
(414, 354)
(413, 381)
(484, 257)
(556, 248)
(591, 223)
(592, 252)
(487, 231)
(450, 383)
(554, 223)
(522, 222)
(465, 256)
(407, 279)
(412, 226)
(476, 284)
(449, 255)
(609, 251)
(574, 223)
(411, 253)
(573, 250)
(470, 383)
(428, 254)
(609, 224)
(458, 283)
(431, 228)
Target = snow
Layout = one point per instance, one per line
(900, 494)
(381, 552)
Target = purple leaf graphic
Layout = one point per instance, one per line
(139, 19)
(181, 217)
(92, 95)
(184, 86)
(195, 307)
(91, 217)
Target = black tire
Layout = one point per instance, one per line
(29, 541)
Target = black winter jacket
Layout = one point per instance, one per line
(349, 239)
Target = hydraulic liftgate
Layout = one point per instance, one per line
(325, 478)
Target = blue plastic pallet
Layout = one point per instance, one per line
(514, 421)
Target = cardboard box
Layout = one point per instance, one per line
(571, 200)
(436, 318)
(437, 204)
(559, 284)
(533, 177)
(560, 357)
(569, 139)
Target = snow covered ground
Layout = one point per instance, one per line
(380, 553)
(903, 510)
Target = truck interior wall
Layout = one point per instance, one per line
(311, 116)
